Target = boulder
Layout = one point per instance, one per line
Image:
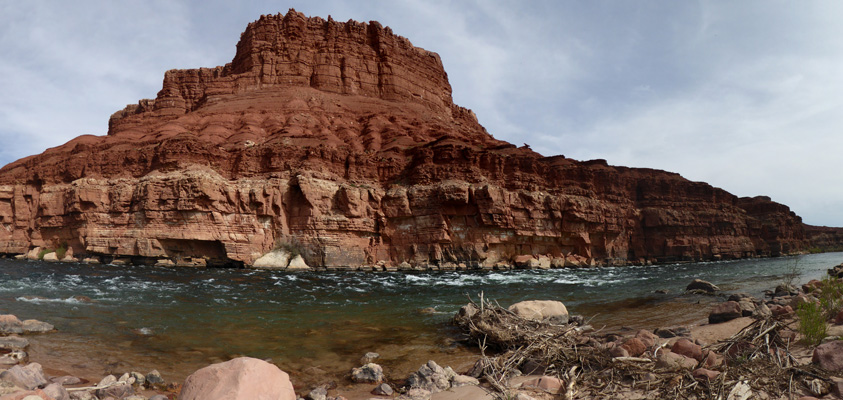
(784, 289)
(36, 394)
(154, 378)
(687, 348)
(634, 346)
(463, 380)
(646, 337)
(431, 377)
(780, 311)
(383, 390)
(107, 381)
(705, 374)
(712, 360)
(415, 394)
(748, 308)
(10, 324)
(117, 390)
(320, 393)
(545, 383)
(762, 311)
(82, 395)
(839, 318)
(829, 356)
(36, 326)
(836, 272)
(165, 262)
(28, 377)
(618, 351)
(667, 333)
(57, 392)
(541, 310)
(812, 285)
(66, 380)
(369, 357)
(701, 285)
(242, 378)
(523, 261)
(798, 300)
(671, 360)
(13, 357)
(544, 262)
(369, 373)
(33, 254)
(13, 342)
(297, 264)
(723, 312)
(275, 259)
(51, 257)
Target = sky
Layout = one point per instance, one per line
(746, 96)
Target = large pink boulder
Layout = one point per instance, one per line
(239, 379)
(541, 310)
(829, 356)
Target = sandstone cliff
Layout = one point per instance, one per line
(341, 140)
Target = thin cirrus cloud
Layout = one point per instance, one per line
(742, 95)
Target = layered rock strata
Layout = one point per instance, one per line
(341, 142)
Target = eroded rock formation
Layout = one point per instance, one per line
(341, 141)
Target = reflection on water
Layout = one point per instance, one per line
(177, 320)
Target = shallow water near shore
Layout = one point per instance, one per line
(119, 318)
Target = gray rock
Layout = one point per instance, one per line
(666, 333)
(106, 381)
(57, 392)
(117, 390)
(320, 393)
(431, 377)
(415, 394)
(13, 342)
(82, 395)
(383, 390)
(66, 380)
(705, 286)
(29, 377)
(748, 308)
(154, 378)
(10, 324)
(36, 326)
(837, 271)
(369, 357)
(785, 289)
(369, 373)
(463, 380)
(14, 357)
(159, 397)
(761, 310)
(140, 379)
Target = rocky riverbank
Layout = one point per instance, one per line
(535, 349)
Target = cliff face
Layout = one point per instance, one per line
(341, 139)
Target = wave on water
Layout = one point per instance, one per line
(42, 300)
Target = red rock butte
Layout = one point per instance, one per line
(341, 140)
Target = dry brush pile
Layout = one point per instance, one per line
(757, 359)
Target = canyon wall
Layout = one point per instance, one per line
(340, 141)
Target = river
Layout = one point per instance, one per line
(119, 318)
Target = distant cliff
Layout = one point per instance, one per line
(341, 139)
